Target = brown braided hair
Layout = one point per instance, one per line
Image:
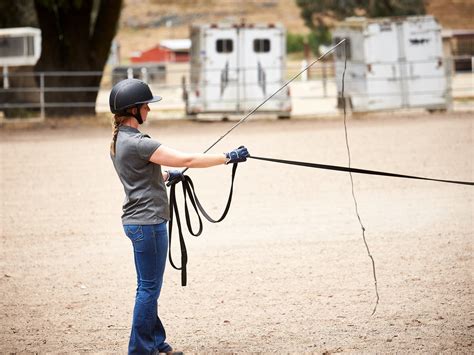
(118, 119)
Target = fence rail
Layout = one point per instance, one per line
(32, 90)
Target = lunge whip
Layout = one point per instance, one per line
(243, 119)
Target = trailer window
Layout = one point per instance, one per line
(12, 47)
(340, 50)
(224, 46)
(261, 45)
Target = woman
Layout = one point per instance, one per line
(138, 159)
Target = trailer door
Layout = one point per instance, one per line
(220, 86)
(384, 87)
(426, 82)
(262, 52)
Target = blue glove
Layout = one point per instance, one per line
(237, 155)
(174, 176)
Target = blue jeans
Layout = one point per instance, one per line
(150, 247)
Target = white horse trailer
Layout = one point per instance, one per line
(19, 46)
(233, 68)
(392, 63)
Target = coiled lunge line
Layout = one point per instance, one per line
(189, 192)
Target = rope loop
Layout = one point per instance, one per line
(189, 194)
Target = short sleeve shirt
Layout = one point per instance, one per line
(146, 201)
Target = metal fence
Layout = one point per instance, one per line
(35, 91)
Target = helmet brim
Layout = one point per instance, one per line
(153, 99)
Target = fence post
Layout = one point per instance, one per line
(304, 75)
(6, 83)
(144, 72)
(325, 77)
(42, 95)
(307, 57)
(449, 73)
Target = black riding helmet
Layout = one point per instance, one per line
(130, 93)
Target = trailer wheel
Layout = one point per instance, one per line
(436, 110)
(191, 116)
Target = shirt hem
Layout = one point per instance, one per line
(144, 223)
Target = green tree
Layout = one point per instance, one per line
(318, 15)
(294, 42)
(76, 36)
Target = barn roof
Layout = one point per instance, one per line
(176, 44)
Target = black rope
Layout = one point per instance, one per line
(190, 193)
(356, 170)
(351, 170)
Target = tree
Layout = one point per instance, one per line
(319, 15)
(76, 36)
(17, 13)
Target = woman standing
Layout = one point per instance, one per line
(138, 159)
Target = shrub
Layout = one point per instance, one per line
(294, 42)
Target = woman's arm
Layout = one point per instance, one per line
(174, 158)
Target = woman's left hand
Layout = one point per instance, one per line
(174, 176)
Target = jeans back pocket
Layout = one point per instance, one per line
(134, 232)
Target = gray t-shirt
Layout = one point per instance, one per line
(146, 201)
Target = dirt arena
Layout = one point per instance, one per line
(287, 271)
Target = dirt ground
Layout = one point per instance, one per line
(287, 271)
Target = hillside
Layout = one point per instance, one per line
(146, 22)
(453, 14)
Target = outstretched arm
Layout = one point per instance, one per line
(174, 158)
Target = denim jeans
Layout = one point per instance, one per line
(150, 247)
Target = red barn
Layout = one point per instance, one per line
(172, 50)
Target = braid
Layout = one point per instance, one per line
(118, 119)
